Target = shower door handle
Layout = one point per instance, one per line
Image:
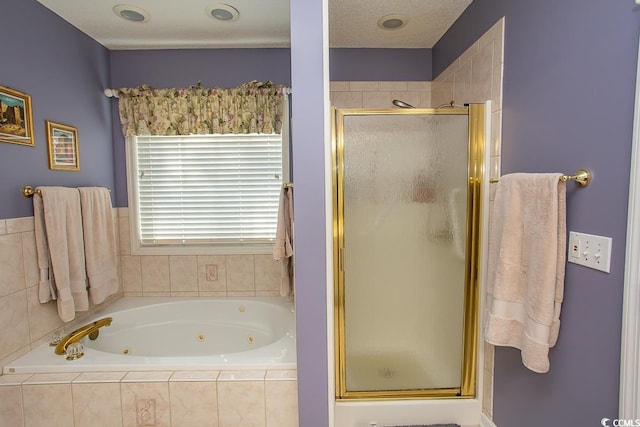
(341, 259)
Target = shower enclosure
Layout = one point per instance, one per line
(406, 239)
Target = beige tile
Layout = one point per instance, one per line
(266, 293)
(268, 273)
(145, 404)
(11, 413)
(205, 283)
(339, 86)
(20, 225)
(123, 235)
(52, 378)
(462, 84)
(212, 294)
(362, 86)
(281, 375)
(97, 404)
(3, 227)
(391, 86)
(155, 273)
(376, 100)
(442, 92)
(123, 212)
(489, 351)
(241, 403)
(13, 356)
(196, 376)
(12, 277)
(481, 77)
(99, 377)
(193, 404)
(144, 377)
(240, 273)
(494, 168)
(419, 86)
(346, 99)
(51, 402)
(43, 318)
(496, 85)
(13, 379)
(469, 54)
(184, 273)
(14, 312)
(496, 133)
(487, 393)
(30, 259)
(184, 293)
(425, 100)
(281, 401)
(131, 273)
(226, 376)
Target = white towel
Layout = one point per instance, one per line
(283, 247)
(63, 229)
(526, 265)
(99, 242)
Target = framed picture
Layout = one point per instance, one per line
(62, 141)
(16, 123)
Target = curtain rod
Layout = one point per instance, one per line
(113, 93)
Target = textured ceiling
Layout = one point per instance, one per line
(186, 24)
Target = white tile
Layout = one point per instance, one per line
(52, 378)
(13, 379)
(230, 376)
(281, 375)
(99, 377)
(194, 376)
(144, 377)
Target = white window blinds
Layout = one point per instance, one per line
(207, 189)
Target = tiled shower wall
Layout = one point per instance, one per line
(476, 76)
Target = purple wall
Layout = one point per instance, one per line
(65, 73)
(309, 133)
(380, 64)
(569, 81)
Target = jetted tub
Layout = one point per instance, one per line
(169, 333)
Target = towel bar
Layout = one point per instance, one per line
(29, 191)
(582, 178)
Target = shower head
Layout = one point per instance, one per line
(401, 104)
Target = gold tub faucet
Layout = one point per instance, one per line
(91, 329)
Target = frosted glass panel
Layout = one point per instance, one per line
(405, 203)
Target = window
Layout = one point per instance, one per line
(205, 193)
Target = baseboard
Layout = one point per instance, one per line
(485, 421)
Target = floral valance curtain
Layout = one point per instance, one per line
(254, 107)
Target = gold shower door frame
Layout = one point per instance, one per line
(476, 154)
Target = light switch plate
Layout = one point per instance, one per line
(589, 250)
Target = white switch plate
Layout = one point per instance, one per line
(590, 251)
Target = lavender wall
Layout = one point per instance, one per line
(65, 72)
(569, 81)
(380, 64)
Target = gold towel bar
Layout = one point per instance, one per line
(582, 177)
(29, 191)
(288, 185)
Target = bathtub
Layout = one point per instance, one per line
(169, 333)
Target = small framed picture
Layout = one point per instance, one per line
(16, 123)
(62, 141)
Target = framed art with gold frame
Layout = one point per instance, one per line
(16, 122)
(62, 141)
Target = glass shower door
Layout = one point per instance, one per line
(403, 224)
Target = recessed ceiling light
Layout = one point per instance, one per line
(131, 13)
(222, 12)
(392, 22)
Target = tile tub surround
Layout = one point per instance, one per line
(165, 398)
(374, 94)
(195, 275)
(31, 322)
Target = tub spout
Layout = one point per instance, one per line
(91, 329)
